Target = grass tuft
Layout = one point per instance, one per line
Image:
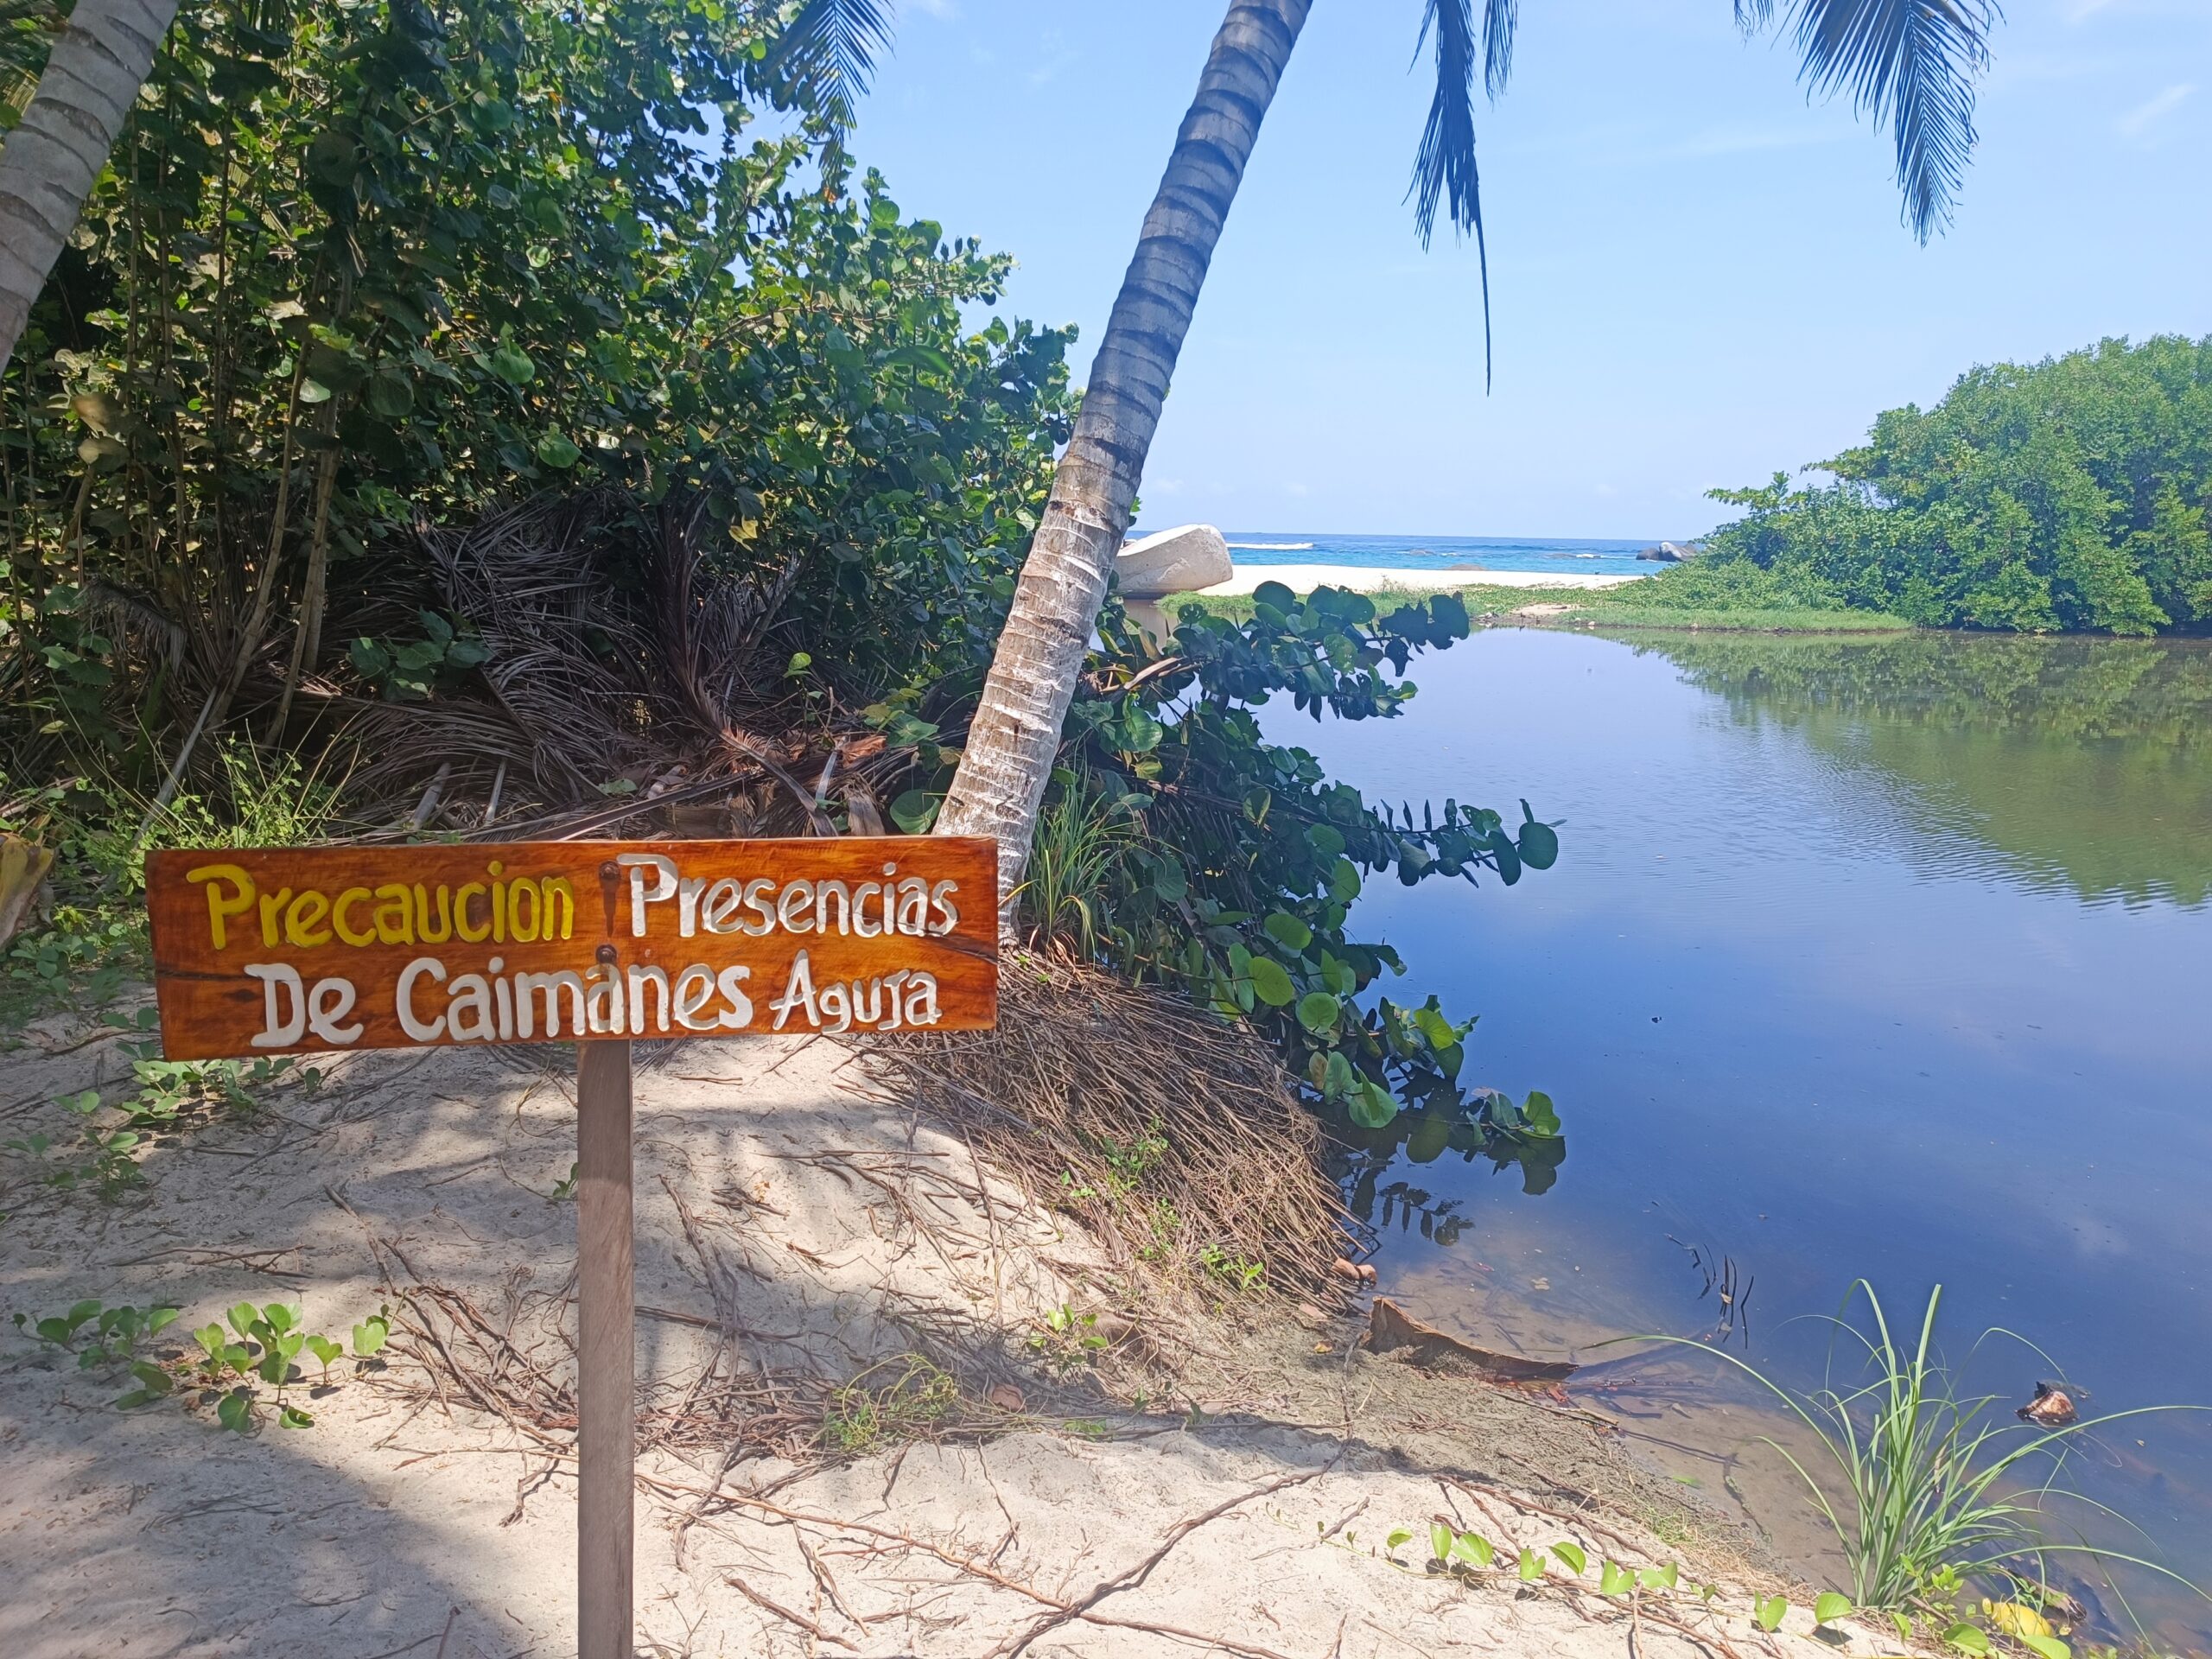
(1929, 1488)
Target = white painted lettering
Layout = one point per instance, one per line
(278, 1031)
(419, 1030)
(663, 873)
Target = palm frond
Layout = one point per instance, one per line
(1909, 62)
(1444, 167)
(1501, 21)
(828, 52)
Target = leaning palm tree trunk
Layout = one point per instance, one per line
(50, 160)
(1011, 742)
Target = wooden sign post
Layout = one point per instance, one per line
(278, 951)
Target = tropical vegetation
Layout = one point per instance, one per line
(445, 422)
(2071, 493)
(1911, 63)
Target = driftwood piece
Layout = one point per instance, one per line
(1391, 1330)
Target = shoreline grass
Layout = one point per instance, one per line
(1604, 607)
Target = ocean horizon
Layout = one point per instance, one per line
(1593, 556)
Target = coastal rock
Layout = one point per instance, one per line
(1670, 552)
(1178, 560)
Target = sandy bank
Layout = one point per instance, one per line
(804, 1239)
(1365, 578)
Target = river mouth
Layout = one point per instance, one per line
(1865, 957)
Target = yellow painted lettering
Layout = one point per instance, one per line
(422, 915)
(517, 892)
(395, 916)
(303, 919)
(469, 932)
(558, 898)
(272, 915)
(346, 900)
(222, 906)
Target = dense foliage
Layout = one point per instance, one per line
(2071, 493)
(1182, 846)
(389, 319)
(357, 269)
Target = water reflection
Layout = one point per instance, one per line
(2074, 762)
(1864, 956)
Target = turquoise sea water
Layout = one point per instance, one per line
(1551, 555)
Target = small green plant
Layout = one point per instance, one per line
(1075, 856)
(1165, 1222)
(1453, 1550)
(870, 1411)
(1234, 1271)
(104, 1164)
(370, 1335)
(1768, 1613)
(415, 671)
(1066, 1340)
(259, 1346)
(1127, 1167)
(97, 1334)
(566, 1187)
(185, 1094)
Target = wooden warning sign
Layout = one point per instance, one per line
(285, 948)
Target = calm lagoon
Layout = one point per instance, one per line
(1885, 956)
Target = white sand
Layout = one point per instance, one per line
(787, 1216)
(1366, 579)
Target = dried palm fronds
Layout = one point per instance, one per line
(622, 658)
(1174, 1136)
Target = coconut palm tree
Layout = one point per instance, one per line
(1910, 62)
(48, 163)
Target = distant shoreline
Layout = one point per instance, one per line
(1380, 579)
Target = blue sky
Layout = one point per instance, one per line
(1696, 278)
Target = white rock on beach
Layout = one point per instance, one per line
(1178, 560)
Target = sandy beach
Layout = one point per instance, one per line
(1376, 579)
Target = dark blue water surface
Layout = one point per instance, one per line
(1881, 956)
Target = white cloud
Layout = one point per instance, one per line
(2140, 120)
(946, 10)
(2082, 10)
(1296, 488)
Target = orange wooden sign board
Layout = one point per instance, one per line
(279, 949)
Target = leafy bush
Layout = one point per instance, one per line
(1179, 846)
(2071, 493)
(360, 270)
(1731, 584)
